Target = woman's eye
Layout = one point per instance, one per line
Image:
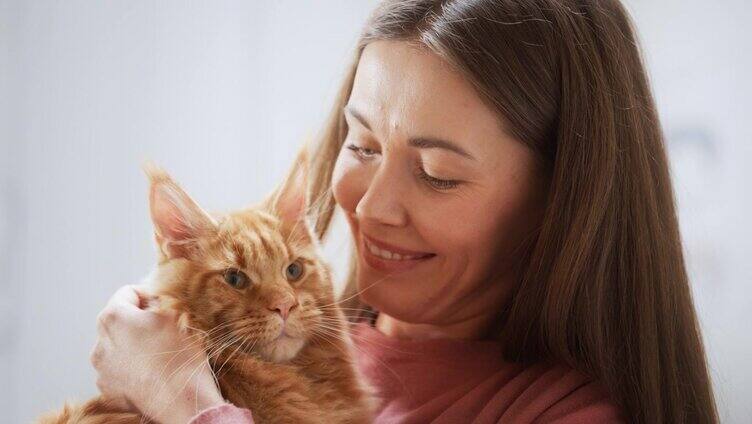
(294, 271)
(437, 182)
(236, 278)
(362, 152)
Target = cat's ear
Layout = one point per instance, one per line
(178, 220)
(289, 201)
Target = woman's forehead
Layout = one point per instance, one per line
(402, 91)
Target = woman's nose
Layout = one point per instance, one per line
(383, 199)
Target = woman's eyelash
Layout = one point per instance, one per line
(437, 182)
(362, 152)
(366, 153)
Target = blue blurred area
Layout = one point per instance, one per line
(221, 93)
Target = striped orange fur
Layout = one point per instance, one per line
(308, 376)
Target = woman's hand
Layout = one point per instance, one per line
(143, 361)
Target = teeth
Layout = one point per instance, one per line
(385, 254)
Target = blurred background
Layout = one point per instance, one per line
(221, 93)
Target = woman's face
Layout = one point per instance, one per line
(436, 194)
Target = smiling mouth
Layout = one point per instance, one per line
(385, 252)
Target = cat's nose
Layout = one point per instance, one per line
(283, 306)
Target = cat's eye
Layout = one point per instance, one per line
(294, 271)
(236, 278)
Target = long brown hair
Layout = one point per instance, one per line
(603, 286)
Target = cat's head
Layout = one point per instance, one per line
(252, 279)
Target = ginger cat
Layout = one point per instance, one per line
(232, 278)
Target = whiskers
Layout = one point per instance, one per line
(214, 343)
(336, 333)
(356, 294)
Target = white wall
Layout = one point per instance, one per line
(219, 93)
(699, 55)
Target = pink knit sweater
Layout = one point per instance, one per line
(454, 381)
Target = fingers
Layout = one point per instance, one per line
(124, 309)
(127, 297)
(146, 298)
(121, 403)
(97, 355)
(113, 316)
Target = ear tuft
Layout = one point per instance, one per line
(154, 172)
(289, 201)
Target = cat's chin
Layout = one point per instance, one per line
(282, 349)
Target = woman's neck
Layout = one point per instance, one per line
(475, 328)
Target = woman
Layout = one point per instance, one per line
(502, 169)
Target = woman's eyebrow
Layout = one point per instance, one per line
(354, 112)
(418, 142)
(437, 143)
